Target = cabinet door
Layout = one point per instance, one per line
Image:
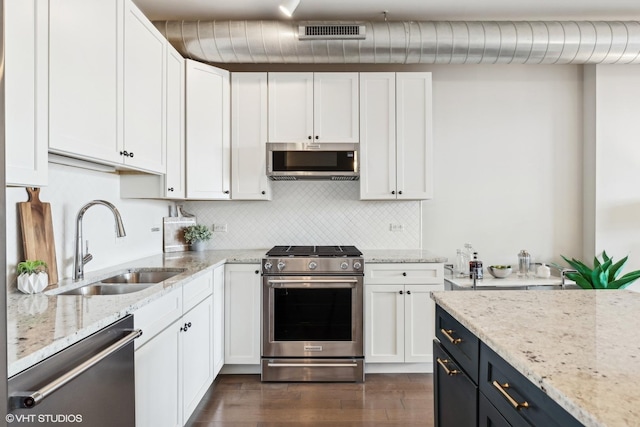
(377, 136)
(249, 137)
(455, 395)
(218, 320)
(290, 107)
(414, 144)
(85, 76)
(420, 314)
(26, 92)
(242, 290)
(384, 324)
(175, 179)
(207, 126)
(144, 93)
(335, 107)
(197, 355)
(158, 380)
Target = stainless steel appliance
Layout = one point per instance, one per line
(312, 310)
(90, 383)
(294, 161)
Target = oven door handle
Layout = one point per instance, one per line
(320, 283)
(312, 365)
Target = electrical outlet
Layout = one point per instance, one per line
(396, 227)
(220, 228)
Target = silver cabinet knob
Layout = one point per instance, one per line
(344, 265)
(313, 265)
(281, 266)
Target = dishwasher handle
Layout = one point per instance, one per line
(29, 399)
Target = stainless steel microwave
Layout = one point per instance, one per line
(329, 161)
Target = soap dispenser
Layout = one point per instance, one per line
(543, 271)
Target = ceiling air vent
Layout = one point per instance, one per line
(331, 32)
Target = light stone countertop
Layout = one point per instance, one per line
(42, 324)
(582, 348)
(401, 256)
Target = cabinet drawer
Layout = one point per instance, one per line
(404, 274)
(154, 317)
(455, 395)
(198, 289)
(488, 415)
(459, 342)
(518, 399)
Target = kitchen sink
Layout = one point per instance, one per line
(133, 280)
(142, 276)
(104, 289)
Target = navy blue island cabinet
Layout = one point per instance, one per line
(473, 386)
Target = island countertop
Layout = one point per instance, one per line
(582, 348)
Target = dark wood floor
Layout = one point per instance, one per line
(383, 400)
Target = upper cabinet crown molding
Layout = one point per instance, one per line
(313, 107)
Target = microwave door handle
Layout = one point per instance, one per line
(320, 283)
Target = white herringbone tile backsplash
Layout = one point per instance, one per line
(312, 213)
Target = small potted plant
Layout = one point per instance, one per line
(197, 236)
(603, 275)
(33, 277)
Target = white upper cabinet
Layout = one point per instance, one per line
(144, 92)
(249, 136)
(175, 176)
(85, 78)
(207, 132)
(26, 91)
(319, 107)
(396, 144)
(106, 84)
(414, 140)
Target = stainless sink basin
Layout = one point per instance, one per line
(142, 277)
(133, 280)
(100, 289)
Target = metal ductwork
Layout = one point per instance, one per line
(441, 42)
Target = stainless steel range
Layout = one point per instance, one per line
(312, 298)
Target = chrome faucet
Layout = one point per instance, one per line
(80, 258)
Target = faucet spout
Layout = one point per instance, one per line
(80, 258)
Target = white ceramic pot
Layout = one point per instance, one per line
(33, 283)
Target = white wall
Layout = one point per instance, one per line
(614, 163)
(68, 190)
(508, 155)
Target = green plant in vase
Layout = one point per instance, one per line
(603, 275)
(33, 276)
(197, 236)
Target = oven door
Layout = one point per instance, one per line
(312, 316)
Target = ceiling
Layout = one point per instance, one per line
(415, 10)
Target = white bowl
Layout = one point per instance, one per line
(499, 271)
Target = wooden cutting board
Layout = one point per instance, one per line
(37, 232)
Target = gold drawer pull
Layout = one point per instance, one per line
(501, 388)
(447, 371)
(447, 333)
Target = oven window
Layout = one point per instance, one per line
(311, 161)
(312, 314)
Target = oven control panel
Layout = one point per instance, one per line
(319, 265)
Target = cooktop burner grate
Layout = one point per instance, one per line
(310, 251)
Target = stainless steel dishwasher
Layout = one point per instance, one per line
(91, 383)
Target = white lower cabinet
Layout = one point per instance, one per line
(399, 313)
(242, 290)
(174, 356)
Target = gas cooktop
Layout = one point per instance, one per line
(314, 251)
